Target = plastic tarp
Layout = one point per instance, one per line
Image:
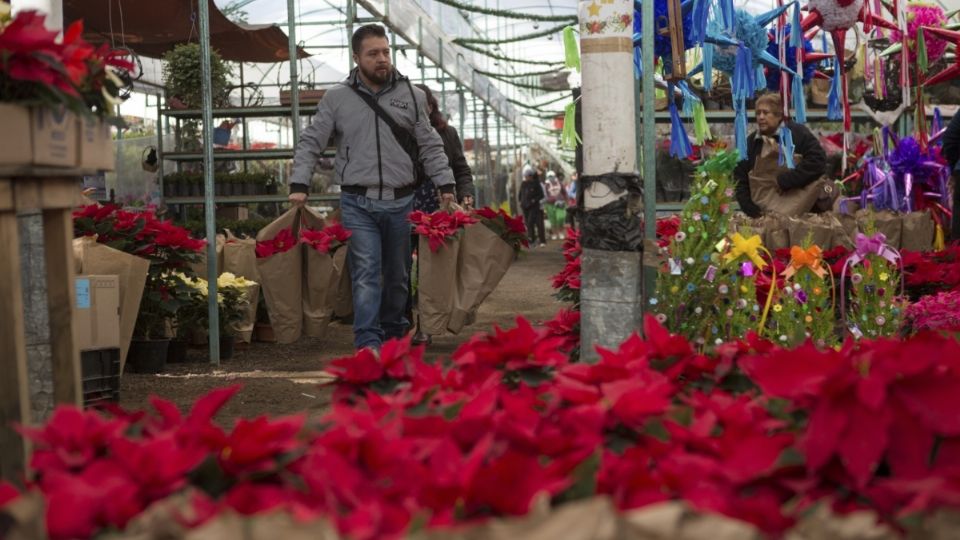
(152, 29)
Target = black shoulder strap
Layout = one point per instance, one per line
(406, 139)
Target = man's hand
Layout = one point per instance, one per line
(447, 200)
(468, 201)
(298, 199)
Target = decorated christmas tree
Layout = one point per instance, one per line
(804, 308)
(687, 284)
(877, 304)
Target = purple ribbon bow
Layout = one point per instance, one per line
(864, 246)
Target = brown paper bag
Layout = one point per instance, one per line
(240, 257)
(437, 282)
(918, 231)
(281, 277)
(243, 329)
(484, 259)
(885, 221)
(321, 288)
(812, 228)
(200, 267)
(97, 258)
(772, 229)
(848, 230)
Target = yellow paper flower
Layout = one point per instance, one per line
(778, 308)
(808, 318)
(743, 288)
(884, 276)
(674, 289)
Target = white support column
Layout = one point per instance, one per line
(610, 265)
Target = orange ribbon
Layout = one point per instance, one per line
(811, 258)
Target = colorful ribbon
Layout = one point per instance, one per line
(749, 247)
(811, 258)
(865, 246)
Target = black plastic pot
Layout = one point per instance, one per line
(226, 347)
(148, 356)
(177, 351)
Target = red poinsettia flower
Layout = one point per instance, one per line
(72, 438)
(327, 239)
(566, 325)
(281, 243)
(254, 445)
(439, 226)
(8, 493)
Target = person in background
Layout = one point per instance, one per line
(453, 148)
(951, 151)
(556, 205)
(531, 200)
(377, 179)
(426, 198)
(765, 186)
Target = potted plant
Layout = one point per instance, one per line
(182, 78)
(231, 300)
(163, 296)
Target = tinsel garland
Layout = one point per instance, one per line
(509, 14)
(496, 56)
(524, 37)
(501, 76)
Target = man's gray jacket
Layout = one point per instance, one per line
(368, 154)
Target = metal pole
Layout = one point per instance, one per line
(351, 15)
(213, 311)
(294, 76)
(611, 284)
(648, 156)
(243, 103)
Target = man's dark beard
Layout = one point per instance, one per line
(375, 77)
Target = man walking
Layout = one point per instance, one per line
(382, 132)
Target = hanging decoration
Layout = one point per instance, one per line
(836, 17)
(742, 54)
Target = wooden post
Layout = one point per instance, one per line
(38, 353)
(14, 406)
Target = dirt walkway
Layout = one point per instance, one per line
(283, 379)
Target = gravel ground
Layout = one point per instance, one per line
(286, 379)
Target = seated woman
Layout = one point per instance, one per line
(764, 186)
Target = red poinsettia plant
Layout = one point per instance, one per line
(509, 420)
(36, 65)
(283, 242)
(326, 240)
(439, 226)
(510, 228)
(567, 282)
(141, 233)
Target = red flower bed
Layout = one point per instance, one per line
(440, 225)
(326, 240)
(756, 432)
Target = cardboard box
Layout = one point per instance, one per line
(97, 314)
(96, 145)
(40, 136)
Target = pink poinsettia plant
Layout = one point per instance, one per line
(439, 226)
